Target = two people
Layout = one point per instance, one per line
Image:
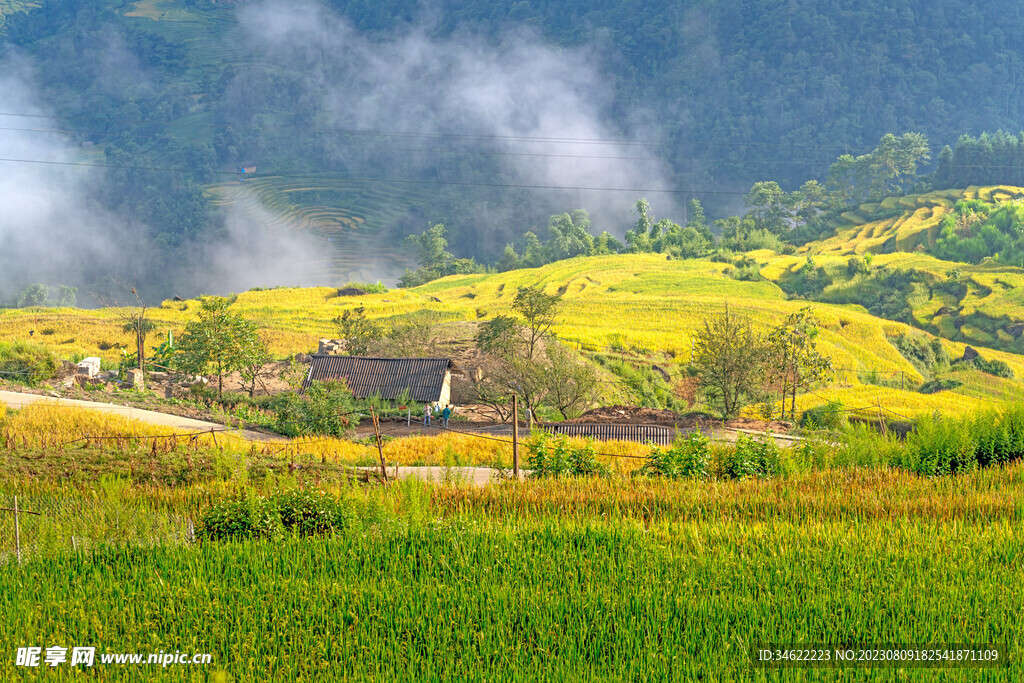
(428, 412)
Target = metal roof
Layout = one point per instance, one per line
(615, 432)
(384, 377)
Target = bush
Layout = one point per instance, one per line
(992, 367)
(303, 512)
(751, 458)
(937, 385)
(689, 456)
(923, 353)
(828, 416)
(324, 410)
(309, 513)
(547, 459)
(239, 517)
(27, 363)
(939, 445)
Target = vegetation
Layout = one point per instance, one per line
(26, 363)
(218, 340)
(729, 358)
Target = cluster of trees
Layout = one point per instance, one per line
(39, 294)
(774, 217)
(974, 231)
(767, 103)
(526, 360)
(996, 159)
(736, 365)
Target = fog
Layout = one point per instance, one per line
(446, 115)
(540, 112)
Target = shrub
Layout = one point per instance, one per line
(751, 458)
(309, 513)
(547, 459)
(27, 363)
(992, 367)
(303, 512)
(831, 415)
(324, 410)
(940, 445)
(937, 385)
(689, 456)
(238, 517)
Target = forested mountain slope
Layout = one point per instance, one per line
(699, 98)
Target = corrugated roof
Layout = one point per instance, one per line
(384, 377)
(615, 432)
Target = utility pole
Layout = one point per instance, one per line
(515, 437)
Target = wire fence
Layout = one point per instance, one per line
(76, 521)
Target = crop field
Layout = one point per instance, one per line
(9, 7)
(558, 580)
(605, 298)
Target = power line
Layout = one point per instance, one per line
(399, 181)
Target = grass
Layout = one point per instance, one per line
(538, 579)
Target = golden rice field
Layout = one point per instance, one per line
(643, 300)
(59, 427)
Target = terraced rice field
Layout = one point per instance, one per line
(9, 7)
(641, 301)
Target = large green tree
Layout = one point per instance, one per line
(217, 341)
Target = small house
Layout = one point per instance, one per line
(246, 167)
(424, 380)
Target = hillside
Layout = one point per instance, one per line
(384, 114)
(888, 257)
(641, 307)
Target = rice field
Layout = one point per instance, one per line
(553, 580)
(9, 7)
(640, 301)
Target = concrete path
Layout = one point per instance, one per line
(17, 400)
(478, 476)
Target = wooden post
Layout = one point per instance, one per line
(380, 448)
(408, 417)
(17, 531)
(515, 436)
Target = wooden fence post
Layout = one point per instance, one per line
(515, 436)
(17, 531)
(380, 448)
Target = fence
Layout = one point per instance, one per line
(74, 521)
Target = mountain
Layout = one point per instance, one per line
(365, 121)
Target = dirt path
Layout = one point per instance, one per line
(16, 400)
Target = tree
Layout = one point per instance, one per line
(35, 294)
(217, 340)
(135, 322)
(639, 238)
(793, 356)
(254, 368)
(572, 384)
(434, 258)
(770, 207)
(570, 235)
(729, 358)
(539, 310)
(359, 332)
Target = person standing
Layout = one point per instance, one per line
(445, 415)
(427, 411)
